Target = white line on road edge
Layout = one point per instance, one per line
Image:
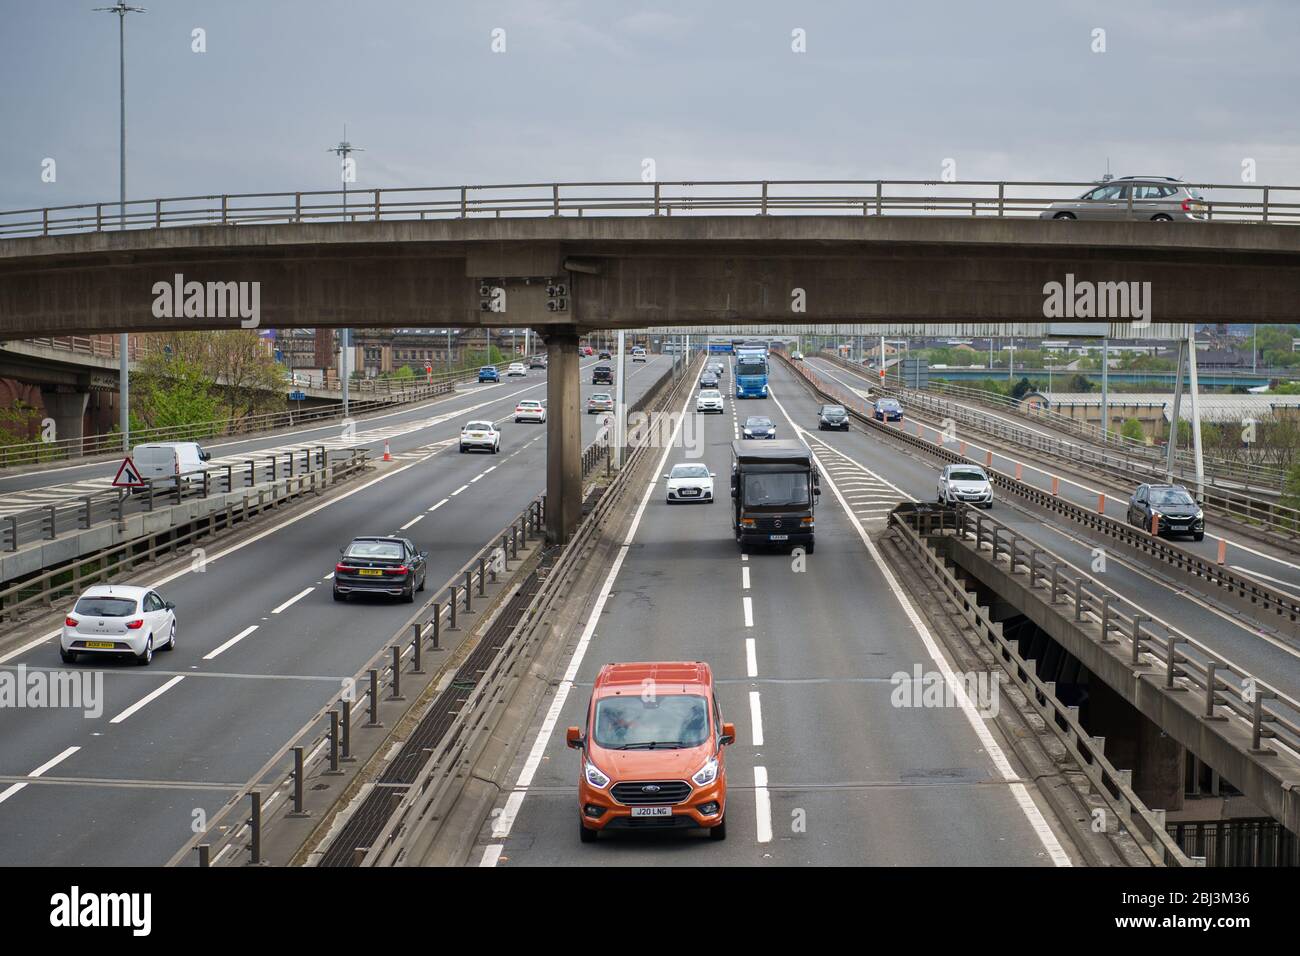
(749, 611)
(744, 578)
(756, 717)
(53, 763)
(459, 490)
(297, 597)
(417, 518)
(231, 643)
(146, 699)
(1019, 792)
(751, 657)
(515, 801)
(762, 805)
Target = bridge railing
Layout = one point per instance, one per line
(1226, 202)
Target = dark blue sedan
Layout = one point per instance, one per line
(888, 410)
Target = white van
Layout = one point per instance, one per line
(168, 459)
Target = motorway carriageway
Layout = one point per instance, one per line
(913, 475)
(1261, 560)
(824, 770)
(261, 646)
(22, 492)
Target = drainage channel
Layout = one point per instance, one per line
(367, 822)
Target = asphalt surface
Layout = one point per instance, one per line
(825, 769)
(124, 790)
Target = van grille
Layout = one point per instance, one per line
(635, 795)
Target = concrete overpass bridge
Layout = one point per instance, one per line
(567, 258)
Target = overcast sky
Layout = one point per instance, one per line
(588, 90)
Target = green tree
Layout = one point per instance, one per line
(1022, 388)
(174, 393)
(1132, 429)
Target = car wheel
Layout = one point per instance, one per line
(338, 596)
(719, 832)
(424, 579)
(408, 596)
(1199, 537)
(462, 449)
(171, 639)
(1162, 218)
(585, 833)
(1064, 216)
(69, 657)
(147, 657)
(812, 546)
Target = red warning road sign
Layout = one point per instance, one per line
(128, 476)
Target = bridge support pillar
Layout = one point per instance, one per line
(68, 410)
(563, 436)
(1134, 741)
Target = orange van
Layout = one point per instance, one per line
(652, 751)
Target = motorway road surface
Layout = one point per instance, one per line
(825, 770)
(179, 736)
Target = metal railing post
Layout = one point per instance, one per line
(298, 810)
(417, 647)
(255, 828)
(373, 703)
(397, 674)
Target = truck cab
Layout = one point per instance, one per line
(774, 487)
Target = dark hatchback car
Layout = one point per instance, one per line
(391, 566)
(833, 416)
(602, 375)
(757, 426)
(888, 410)
(1173, 508)
(708, 380)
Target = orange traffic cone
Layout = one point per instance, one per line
(387, 454)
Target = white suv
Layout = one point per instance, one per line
(968, 483)
(530, 411)
(516, 368)
(480, 435)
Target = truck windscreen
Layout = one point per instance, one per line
(751, 367)
(777, 490)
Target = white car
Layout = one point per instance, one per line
(516, 368)
(968, 483)
(530, 411)
(482, 435)
(796, 356)
(638, 354)
(689, 482)
(118, 619)
(709, 400)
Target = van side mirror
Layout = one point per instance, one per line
(205, 455)
(573, 737)
(728, 735)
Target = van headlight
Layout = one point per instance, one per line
(706, 774)
(594, 775)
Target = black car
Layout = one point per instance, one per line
(757, 426)
(604, 355)
(718, 369)
(380, 566)
(708, 380)
(602, 375)
(833, 416)
(1173, 508)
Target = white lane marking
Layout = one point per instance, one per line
(232, 642)
(297, 597)
(11, 790)
(744, 578)
(756, 717)
(515, 801)
(751, 657)
(476, 478)
(488, 470)
(1237, 567)
(744, 557)
(16, 652)
(440, 504)
(762, 805)
(54, 762)
(749, 611)
(1037, 822)
(414, 520)
(459, 490)
(154, 695)
(328, 576)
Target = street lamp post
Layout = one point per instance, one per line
(343, 149)
(123, 342)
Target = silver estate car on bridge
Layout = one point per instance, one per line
(1154, 198)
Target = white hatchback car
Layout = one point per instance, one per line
(709, 400)
(482, 435)
(516, 368)
(968, 483)
(689, 481)
(530, 411)
(117, 619)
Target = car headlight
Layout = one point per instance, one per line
(1200, 515)
(706, 774)
(594, 776)
(748, 432)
